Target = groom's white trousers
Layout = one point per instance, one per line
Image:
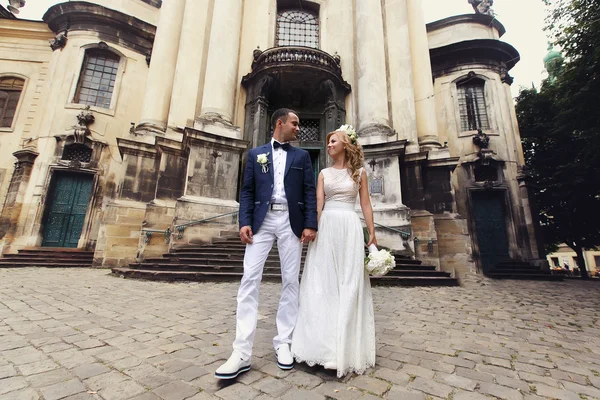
(276, 225)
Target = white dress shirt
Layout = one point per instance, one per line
(279, 160)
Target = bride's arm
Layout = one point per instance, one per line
(367, 210)
(320, 196)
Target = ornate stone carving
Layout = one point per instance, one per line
(80, 131)
(59, 41)
(483, 6)
(481, 140)
(376, 130)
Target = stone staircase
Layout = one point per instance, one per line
(50, 257)
(223, 261)
(521, 270)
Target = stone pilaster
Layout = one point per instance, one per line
(427, 128)
(190, 63)
(221, 79)
(371, 74)
(159, 86)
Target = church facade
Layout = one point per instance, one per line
(125, 124)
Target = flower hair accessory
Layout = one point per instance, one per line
(349, 130)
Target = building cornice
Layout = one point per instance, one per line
(482, 19)
(24, 29)
(111, 26)
(493, 53)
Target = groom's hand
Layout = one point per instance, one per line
(308, 235)
(246, 234)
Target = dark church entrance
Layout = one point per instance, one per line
(66, 210)
(489, 216)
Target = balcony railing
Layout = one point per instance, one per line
(278, 56)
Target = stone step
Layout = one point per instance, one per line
(270, 262)
(267, 270)
(48, 264)
(49, 257)
(525, 276)
(227, 276)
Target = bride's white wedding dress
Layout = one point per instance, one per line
(336, 325)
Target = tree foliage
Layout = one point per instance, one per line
(560, 127)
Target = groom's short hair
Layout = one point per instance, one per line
(281, 114)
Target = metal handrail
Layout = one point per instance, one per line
(181, 228)
(405, 235)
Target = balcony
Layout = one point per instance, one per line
(297, 59)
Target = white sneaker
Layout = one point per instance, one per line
(234, 366)
(285, 360)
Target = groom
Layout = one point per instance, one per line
(277, 202)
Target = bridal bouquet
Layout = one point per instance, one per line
(379, 262)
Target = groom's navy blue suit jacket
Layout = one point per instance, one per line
(299, 184)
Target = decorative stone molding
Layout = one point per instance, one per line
(481, 140)
(376, 130)
(80, 131)
(59, 41)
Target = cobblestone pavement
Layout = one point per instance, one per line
(83, 334)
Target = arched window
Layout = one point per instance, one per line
(97, 79)
(297, 28)
(10, 92)
(471, 102)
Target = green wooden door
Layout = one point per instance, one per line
(67, 206)
(489, 213)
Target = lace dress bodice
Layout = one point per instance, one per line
(339, 185)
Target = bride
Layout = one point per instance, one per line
(336, 326)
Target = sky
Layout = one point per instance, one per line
(523, 20)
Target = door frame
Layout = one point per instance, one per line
(44, 206)
(502, 192)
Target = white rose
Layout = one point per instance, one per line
(262, 159)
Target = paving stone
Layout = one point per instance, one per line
(500, 391)
(49, 378)
(149, 396)
(400, 393)
(301, 394)
(89, 370)
(154, 381)
(271, 386)
(237, 392)
(430, 387)
(11, 384)
(105, 380)
(190, 373)
(176, 390)
(460, 395)
(25, 394)
(417, 371)
(555, 393)
(395, 377)
(62, 389)
(37, 367)
(123, 390)
(338, 390)
(456, 381)
(7, 371)
(303, 379)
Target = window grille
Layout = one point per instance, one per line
(297, 28)
(471, 101)
(77, 152)
(97, 80)
(10, 93)
(310, 130)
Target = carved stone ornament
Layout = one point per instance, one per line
(59, 41)
(483, 6)
(481, 140)
(80, 131)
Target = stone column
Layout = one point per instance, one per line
(157, 98)
(402, 93)
(190, 63)
(422, 77)
(220, 82)
(373, 111)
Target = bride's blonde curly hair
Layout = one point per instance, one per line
(354, 153)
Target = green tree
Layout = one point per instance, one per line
(560, 126)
